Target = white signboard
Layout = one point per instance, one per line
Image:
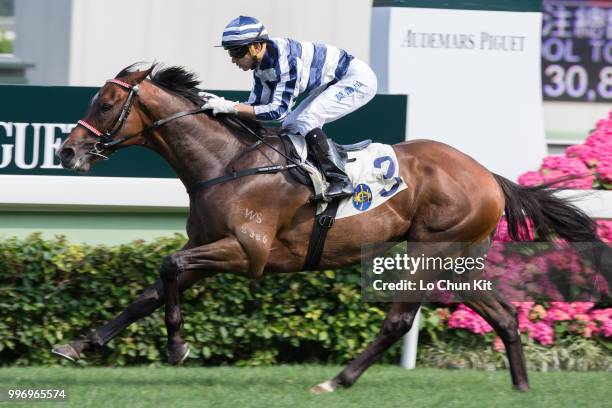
(472, 79)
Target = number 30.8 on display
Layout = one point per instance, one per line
(574, 82)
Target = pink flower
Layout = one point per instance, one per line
(523, 308)
(584, 153)
(604, 318)
(543, 333)
(498, 344)
(604, 171)
(601, 315)
(568, 165)
(548, 288)
(558, 315)
(595, 154)
(583, 317)
(531, 178)
(604, 230)
(559, 260)
(571, 308)
(589, 330)
(581, 308)
(600, 284)
(606, 328)
(465, 318)
(539, 322)
(501, 234)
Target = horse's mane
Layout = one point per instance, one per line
(180, 81)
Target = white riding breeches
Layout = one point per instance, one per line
(324, 105)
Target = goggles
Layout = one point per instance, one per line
(238, 52)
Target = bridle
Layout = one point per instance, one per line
(106, 138)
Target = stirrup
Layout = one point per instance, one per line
(339, 189)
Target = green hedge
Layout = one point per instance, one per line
(52, 291)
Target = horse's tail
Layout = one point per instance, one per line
(552, 216)
(548, 213)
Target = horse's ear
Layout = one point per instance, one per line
(136, 77)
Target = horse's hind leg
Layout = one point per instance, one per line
(495, 311)
(398, 322)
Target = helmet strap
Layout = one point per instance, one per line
(257, 55)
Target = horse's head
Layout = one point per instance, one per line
(107, 125)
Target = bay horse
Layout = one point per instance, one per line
(450, 198)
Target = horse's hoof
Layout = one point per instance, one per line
(324, 388)
(66, 351)
(178, 354)
(521, 387)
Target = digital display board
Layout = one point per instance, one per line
(577, 50)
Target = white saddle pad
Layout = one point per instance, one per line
(375, 176)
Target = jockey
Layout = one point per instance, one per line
(335, 82)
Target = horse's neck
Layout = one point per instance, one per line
(196, 147)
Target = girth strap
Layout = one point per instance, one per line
(323, 223)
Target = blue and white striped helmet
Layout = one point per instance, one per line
(243, 30)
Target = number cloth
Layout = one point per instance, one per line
(375, 175)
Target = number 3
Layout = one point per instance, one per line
(388, 175)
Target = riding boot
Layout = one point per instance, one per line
(331, 164)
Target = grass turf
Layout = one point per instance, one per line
(287, 386)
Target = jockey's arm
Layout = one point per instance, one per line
(245, 111)
(221, 105)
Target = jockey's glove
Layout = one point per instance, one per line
(220, 105)
(207, 95)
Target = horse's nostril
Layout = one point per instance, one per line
(66, 154)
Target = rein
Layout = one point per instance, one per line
(107, 143)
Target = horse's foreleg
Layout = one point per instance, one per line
(144, 305)
(149, 301)
(225, 255)
(398, 322)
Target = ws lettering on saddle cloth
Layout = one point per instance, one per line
(375, 175)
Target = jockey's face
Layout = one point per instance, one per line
(246, 58)
(245, 63)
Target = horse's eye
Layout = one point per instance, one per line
(106, 106)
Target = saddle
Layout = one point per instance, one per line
(308, 172)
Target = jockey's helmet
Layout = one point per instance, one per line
(242, 31)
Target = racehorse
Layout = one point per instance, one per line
(450, 198)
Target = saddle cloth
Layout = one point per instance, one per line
(372, 168)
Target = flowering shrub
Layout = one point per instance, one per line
(592, 159)
(542, 323)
